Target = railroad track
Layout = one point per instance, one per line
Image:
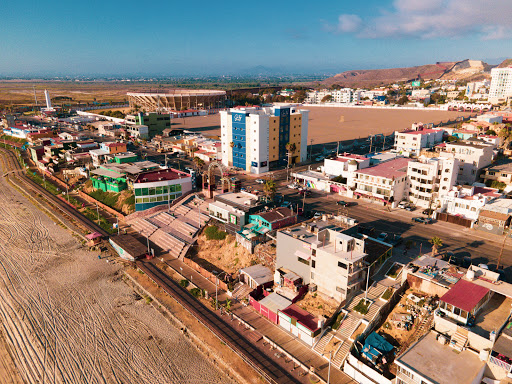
(256, 358)
(15, 170)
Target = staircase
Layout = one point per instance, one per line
(182, 210)
(320, 346)
(458, 341)
(167, 242)
(348, 326)
(144, 227)
(372, 311)
(341, 354)
(376, 291)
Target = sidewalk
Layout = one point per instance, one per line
(295, 347)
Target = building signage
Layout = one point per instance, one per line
(232, 219)
(416, 83)
(263, 164)
(254, 163)
(238, 118)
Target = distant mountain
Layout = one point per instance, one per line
(261, 70)
(471, 70)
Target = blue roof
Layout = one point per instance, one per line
(375, 345)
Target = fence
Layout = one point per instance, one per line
(203, 272)
(454, 219)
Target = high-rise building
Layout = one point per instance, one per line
(501, 84)
(254, 138)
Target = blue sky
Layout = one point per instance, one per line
(209, 37)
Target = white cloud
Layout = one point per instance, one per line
(428, 19)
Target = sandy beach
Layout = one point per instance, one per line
(70, 317)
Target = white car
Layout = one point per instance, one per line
(260, 181)
(293, 186)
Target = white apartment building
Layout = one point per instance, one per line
(386, 182)
(344, 96)
(472, 158)
(322, 255)
(430, 179)
(254, 137)
(501, 84)
(412, 141)
(467, 200)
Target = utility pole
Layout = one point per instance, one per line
(311, 150)
(98, 212)
(371, 142)
(501, 251)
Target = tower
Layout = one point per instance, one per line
(48, 100)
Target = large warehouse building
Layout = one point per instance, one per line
(178, 100)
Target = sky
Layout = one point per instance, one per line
(173, 38)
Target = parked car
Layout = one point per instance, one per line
(396, 240)
(343, 203)
(286, 204)
(260, 181)
(424, 220)
(428, 211)
(305, 192)
(382, 236)
(317, 215)
(243, 189)
(410, 208)
(319, 158)
(403, 204)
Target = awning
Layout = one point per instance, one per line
(302, 255)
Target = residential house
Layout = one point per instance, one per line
(413, 140)
(324, 257)
(500, 173)
(467, 200)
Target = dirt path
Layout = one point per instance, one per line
(69, 317)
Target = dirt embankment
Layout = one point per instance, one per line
(224, 255)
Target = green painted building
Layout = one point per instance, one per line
(108, 180)
(126, 157)
(155, 122)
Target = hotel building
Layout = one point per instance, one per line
(254, 138)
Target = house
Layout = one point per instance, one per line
(467, 201)
(274, 219)
(496, 216)
(256, 275)
(386, 182)
(233, 209)
(300, 323)
(499, 173)
(128, 247)
(431, 361)
(319, 253)
(270, 305)
(413, 140)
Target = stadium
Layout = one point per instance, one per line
(178, 100)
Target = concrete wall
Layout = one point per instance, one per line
(285, 256)
(362, 373)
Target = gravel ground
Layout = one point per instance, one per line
(69, 317)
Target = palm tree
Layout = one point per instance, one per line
(198, 163)
(436, 244)
(269, 189)
(290, 147)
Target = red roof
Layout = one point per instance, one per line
(161, 175)
(303, 317)
(422, 132)
(442, 145)
(465, 295)
(389, 169)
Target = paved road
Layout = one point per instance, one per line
(482, 247)
(267, 367)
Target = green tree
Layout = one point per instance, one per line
(326, 98)
(490, 132)
(269, 189)
(436, 244)
(402, 100)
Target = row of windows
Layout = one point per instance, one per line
(157, 190)
(155, 199)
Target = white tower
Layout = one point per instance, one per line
(48, 100)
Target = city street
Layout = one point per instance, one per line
(480, 246)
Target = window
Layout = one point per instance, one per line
(340, 290)
(456, 311)
(341, 265)
(313, 263)
(303, 261)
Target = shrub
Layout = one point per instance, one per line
(197, 292)
(337, 323)
(362, 306)
(387, 294)
(184, 283)
(213, 233)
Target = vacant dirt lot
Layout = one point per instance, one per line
(327, 124)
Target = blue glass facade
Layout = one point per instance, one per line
(284, 132)
(239, 149)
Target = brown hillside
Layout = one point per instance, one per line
(374, 77)
(471, 70)
(505, 63)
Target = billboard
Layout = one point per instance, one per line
(416, 83)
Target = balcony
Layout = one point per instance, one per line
(406, 379)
